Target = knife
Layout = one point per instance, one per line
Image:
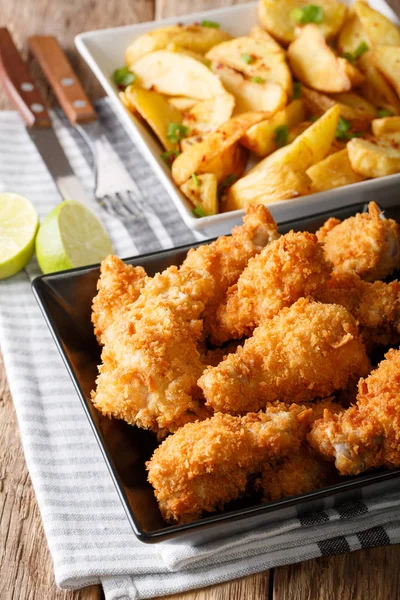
(24, 94)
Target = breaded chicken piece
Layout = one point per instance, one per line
(150, 359)
(289, 268)
(366, 435)
(206, 464)
(226, 258)
(366, 244)
(307, 351)
(297, 473)
(118, 287)
(376, 306)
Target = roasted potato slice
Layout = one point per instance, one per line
(387, 60)
(250, 96)
(261, 137)
(385, 125)
(182, 103)
(375, 87)
(156, 111)
(314, 63)
(359, 107)
(254, 57)
(352, 106)
(298, 129)
(260, 34)
(376, 157)
(126, 102)
(186, 142)
(199, 155)
(278, 17)
(202, 192)
(194, 38)
(278, 182)
(332, 172)
(230, 163)
(378, 28)
(208, 115)
(352, 35)
(176, 74)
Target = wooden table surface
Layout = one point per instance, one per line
(25, 563)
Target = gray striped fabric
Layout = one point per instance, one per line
(88, 534)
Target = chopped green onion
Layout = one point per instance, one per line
(176, 131)
(361, 48)
(228, 181)
(342, 129)
(310, 13)
(258, 80)
(281, 135)
(211, 24)
(123, 77)
(247, 58)
(348, 56)
(199, 212)
(169, 156)
(196, 179)
(296, 90)
(384, 112)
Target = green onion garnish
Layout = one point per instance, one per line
(169, 156)
(258, 80)
(342, 129)
(123, 77)
(310, 13)
(199, 212)
(247, 58)
(348, 56)
(384, 112)
(228, 181)
(211, 24)
(175, 132)
(361, 48)
(296, 90)
(196, 179)
(281, 135)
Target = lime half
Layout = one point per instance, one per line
(18, 226)
(71, 236)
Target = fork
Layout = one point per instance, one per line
(115, 190)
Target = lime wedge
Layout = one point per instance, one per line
(71, 236)
(18, 226)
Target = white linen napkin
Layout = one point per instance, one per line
(88, 533)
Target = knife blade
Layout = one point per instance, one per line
(26, 97)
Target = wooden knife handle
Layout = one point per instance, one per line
(19, 84)
(63, 80)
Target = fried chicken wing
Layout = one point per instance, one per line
(150, 359)
(118, 287)
(307, 351)
(226, 258)
(366, 435)
(366, 244)
(208, 463)
(289, 268)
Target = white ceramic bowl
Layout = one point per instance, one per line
(103, 50)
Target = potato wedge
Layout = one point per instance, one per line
(278, 182)
(277, 18)
(375, 87)
(332, 172)
(314, 63)
(385, 125)
(182, 103)
(359, 107)
(254, 57)
(352, 106)
(260, 34)
(186, 142)
(250, 96)
(387, 60)
(176, 74)
(230, 163)
(126, 102)
(202, 192)
(208, 115)
(352, 35)
(194, 38)
(261, 137)
(378, 28)
(376, 157)
(298, 129)
(156, 111)
(355, 76)
(198, 155)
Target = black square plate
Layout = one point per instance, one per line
(65, 299)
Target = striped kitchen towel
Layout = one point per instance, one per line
(88, 533)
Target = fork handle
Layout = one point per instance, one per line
(62, 79)
(19, 85)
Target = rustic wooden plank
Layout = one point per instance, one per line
(65, 19)
(254, 587)
(370, 573)
(169, 8)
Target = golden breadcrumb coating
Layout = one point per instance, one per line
(150, 359)
(376, 306)
(118, 287)
(366, 435)
(308, 350)
(226, 258)
(366, 244)
(289, 268)
(206, 464)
